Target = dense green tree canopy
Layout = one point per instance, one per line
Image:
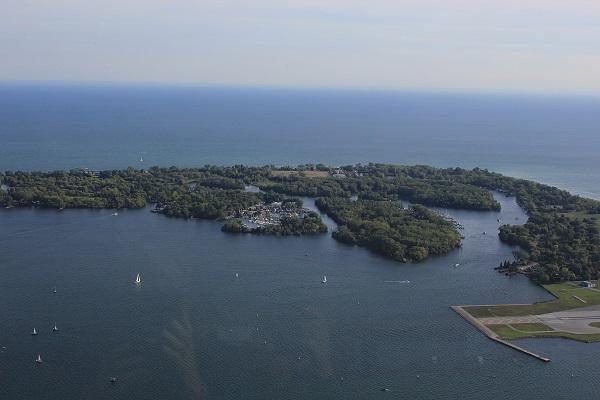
(562, 233)
(388, 229)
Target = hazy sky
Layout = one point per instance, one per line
(525, 45)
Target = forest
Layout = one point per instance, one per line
(562, 232)
(390, 230)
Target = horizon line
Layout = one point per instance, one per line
(350, 89)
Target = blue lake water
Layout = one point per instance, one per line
(193, 330)
(554, 140)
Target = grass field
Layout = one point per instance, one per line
(308, 174)
(565, 300)
(564, 293)
(581, 215)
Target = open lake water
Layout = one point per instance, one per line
(194, 330)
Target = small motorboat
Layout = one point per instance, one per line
(55, 329)
(113, 379)
(324, 279)
(39, 359)
(138, 280)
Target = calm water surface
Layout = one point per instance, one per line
(193, 330)
(554, 140)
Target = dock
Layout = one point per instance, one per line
(492, 335)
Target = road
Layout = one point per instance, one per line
(573, 321)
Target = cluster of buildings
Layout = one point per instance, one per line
(87, 171)
(587, 284)
(342, 173)
(269, 214)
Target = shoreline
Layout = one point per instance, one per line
(492, 335)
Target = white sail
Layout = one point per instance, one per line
(324, 279)
(39, 359)
(138, 279)
(34, 332)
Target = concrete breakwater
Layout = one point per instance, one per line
(492, 335)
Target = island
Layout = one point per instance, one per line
(283, 217)
(383, 207)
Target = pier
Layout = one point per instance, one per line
(492, 335)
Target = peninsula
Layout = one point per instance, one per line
(560, 240)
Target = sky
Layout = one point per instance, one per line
(473, 45)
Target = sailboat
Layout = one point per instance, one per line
(55, 329)
(141, 159)
(39, 359)
(138, 280)
(34, 332)
(324, 279)
(54, 289)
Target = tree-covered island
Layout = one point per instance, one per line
(561, 236)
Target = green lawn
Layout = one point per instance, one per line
(508, 333)
(564, 293)
(582, 215)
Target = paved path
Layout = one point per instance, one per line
(574, 321)
(526, 319)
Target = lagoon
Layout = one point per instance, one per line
(193, 325)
